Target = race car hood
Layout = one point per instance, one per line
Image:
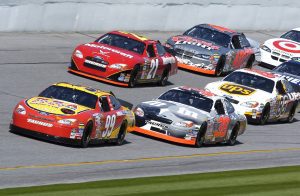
(237, 92)
(110, 54)
(284, 46)
(196, 46)
(176, 112)
(54, 106)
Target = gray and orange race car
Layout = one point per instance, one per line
(211, 49)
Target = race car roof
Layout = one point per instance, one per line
(86, 89)
(261, 73)
(219, 28)
(296, 29)
(132, 36)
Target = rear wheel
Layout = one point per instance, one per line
(121, 134)
(164, 78)
(265, 115)
(250, 62)
(232, 139)
(86, 137)
(290, 118)
(133, 77)
(201, 135)
(220, 66)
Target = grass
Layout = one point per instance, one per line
(270, 181)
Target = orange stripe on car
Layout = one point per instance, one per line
(163, 136)
(197, 69)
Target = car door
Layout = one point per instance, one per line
(242, 50)
(222, 121)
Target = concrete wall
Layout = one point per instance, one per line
(150, 15)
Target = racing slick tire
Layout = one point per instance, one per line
(264, 115)
(232, 139)
(250, 62)
(164, 78)
(220, 66)
(201, 136)
(121, 134)
(133, 77)
(290, 118)
(86, 137)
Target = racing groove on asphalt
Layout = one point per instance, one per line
(31, 62)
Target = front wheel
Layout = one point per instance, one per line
(164, 78)
(232, 139)
(133, 77)
(121, 134)
(250, 62)
(201, 136)
(265, 115)
(86, 137)
(290, 118)
(220, 66)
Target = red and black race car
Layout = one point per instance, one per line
(123, 59)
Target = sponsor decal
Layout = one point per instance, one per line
(195, 42)
(37, 122)
(110, 49)
(157, 124)
(236, 89)
(103, 53)
(289, 78)
(95, 63)
(287, 46)
(168, 60)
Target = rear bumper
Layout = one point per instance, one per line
(43, 136)
(163, 136)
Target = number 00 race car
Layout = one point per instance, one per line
(278, 50)
(190, 116)
(73, 114)
(211, 49)
(261, 96)
(123, 59)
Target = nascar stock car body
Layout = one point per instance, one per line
(189, 116)
(261, 96)
(123, 59)
(73, 114)
(211, 49)
(290, 70)
(278, 50)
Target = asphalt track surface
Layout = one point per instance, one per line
(30, 62)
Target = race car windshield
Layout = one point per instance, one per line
(289, 67)
(70, 95)
(188, 98)
(251, 80)
(292, 35)
(122, 42)
(217, 37)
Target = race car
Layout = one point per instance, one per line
(261, 96)
(123, 59)
(73, 114)
(290, 70)
(190, 116)
(211, 49)
(278, 50)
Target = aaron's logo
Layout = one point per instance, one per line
(236, 89)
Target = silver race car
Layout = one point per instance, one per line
(190, 116)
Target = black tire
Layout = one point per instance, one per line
(250, 62)
(220, 66)
(164, 78)
(86, 137)
(201, 136)
(133, 77)
(232, 139)
(121, 134)
(265, 115)
(291, 116)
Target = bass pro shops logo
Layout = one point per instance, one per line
(236, 89)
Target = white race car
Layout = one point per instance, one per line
(261, 96)
(278, 50)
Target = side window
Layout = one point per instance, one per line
(115, 103)
(150, 51)
(236, 42)
(219, 107)
(160, 49)
(104, 104)
(228, 106)
(280, 88)
(244, 42)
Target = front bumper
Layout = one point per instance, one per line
(270, 60)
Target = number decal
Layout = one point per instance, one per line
(155, 103)
(153, 69)
(186, 112)
(223, 126)
(109, 125)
